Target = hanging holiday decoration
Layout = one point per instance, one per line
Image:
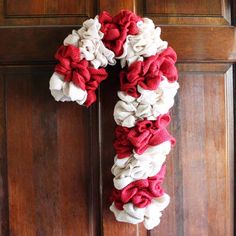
(148, 85)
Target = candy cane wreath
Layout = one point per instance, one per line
(147, 89)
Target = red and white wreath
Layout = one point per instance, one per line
(147, 89)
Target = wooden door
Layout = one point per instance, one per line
(55, 158)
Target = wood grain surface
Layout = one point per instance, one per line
(55, 158)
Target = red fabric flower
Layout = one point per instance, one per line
(140, 192)
(146, 133)
(117, 28)
(122, 145)
(148, 73)
(78, 71)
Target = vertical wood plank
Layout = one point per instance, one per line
(45, 159)
(95, 172)
(53, 169)
(4, 210)
(193, 156)
(230, 148)
(73, 156)
(22, 197)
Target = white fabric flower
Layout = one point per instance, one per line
(66, 91)
(149, 215)
(153, 211)
(150, 104)
(135, 167)
(130, 214)
(72, 39)
(89, 40)
(144, 44)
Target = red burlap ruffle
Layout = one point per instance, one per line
(78, 71)
(148, 73)
(146, 133)
(140, 192)
(117, 28)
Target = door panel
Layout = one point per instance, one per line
(200, 167)
(48, 151)
(45, 12)
(55, 158)
(205, 12)
(201, 163)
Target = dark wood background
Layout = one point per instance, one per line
(55, 158)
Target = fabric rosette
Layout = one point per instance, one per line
(146, 133)
(135, 167)
(89, 40)
(144, 44)
(150, 104)
(149, 215)
(149, 73)
(141, 201)
(117, 28)
(76, 74)
(140, 192)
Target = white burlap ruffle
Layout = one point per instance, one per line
(149, 215)
(66, 91)
(149, 105)
(135, 167)
(144, 44)
(89, 40)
